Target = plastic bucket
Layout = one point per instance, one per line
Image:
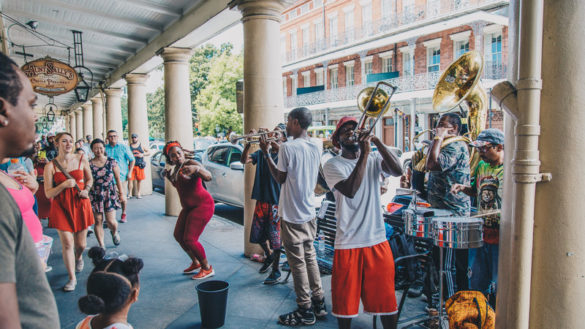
(212, 302)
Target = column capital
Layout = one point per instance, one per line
(87, 106)
(113, 92)
(96, 100)
(261, 9)
(136, 78)
(175, 54)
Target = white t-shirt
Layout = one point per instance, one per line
(359, 220)
(299, 158)
(86, 324)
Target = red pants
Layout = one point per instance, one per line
(190, 225)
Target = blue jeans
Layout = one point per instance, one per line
(483, 268)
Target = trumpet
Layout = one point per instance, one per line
(255, 137)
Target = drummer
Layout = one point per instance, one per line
(449, 165)
(488, 186)
(363, 265)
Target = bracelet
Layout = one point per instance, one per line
(438, 138)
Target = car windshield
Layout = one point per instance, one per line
(202, 143)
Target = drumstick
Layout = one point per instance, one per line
(497, 212)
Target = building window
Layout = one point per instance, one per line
(495, 49)
(284, 91)
(319, 37)
(317, 3)
(349, 30)
(367, 18)
(307, 79)
(293, 44)
(292, 14)
(294, 84)
(388, 8)
(407, 62)
(305, 32)
(333, 78)
(386, 64)
(349, 75)
(283, 47)
(368, 67)
(461, 47)
(434, 59)
(319, 77)
(304, 8)
(333, 30)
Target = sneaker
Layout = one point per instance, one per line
(415, 291)
(70, 286)
(203, 274)
(319, 308)
(285, 267)
(116, 238)
(123, 218)
(266, 265)
(298, 317)
(139, 197)
(79, 265)
(273, 278)
(192, 269)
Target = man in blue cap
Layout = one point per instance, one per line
(488, 187)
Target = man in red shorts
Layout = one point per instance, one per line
(363, 266)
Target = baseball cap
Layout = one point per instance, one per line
(489, 136)
(341, 122)
(51, 134)
(134, 135)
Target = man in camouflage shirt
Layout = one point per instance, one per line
(448, 164)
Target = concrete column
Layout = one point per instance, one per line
(558, 258)
(78, 124)
(263, 103)
(138, 122)
(114, 111)
(412, 122)
(325, 74)
(178, 119)
(98, 117)
(72, 124)
(87, 120)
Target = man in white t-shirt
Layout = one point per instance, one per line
(363, 265)
(297, 170)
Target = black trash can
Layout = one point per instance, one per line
(212, 302)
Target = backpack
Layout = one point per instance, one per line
(403, 246)
(469, 309)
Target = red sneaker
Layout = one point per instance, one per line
(123, 218)
(203, 274)
(192, 269)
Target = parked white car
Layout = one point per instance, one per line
(227, 183)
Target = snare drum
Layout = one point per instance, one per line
(419, 224)
(457, 232)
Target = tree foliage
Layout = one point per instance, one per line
(216, 103)
(156, 113)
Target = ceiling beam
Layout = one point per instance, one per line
(102, 15)
(155, 8)
(83, 28)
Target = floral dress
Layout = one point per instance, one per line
(103, 195)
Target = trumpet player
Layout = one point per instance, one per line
(363, 264)
(266, 192)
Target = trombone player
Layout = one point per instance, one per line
(266, 192)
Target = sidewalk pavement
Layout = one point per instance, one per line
(167, 298)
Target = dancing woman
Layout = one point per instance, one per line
(70, 209)
(197, 203)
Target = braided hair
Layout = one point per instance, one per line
(110, 284)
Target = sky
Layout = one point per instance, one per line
(234, 35)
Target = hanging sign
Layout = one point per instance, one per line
(50, 77)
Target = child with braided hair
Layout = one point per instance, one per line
(197, 203)
(112, 288)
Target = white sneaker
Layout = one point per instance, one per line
(79, 265)
(70, 286)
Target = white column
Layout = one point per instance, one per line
(87, 120)
(138, 121)
(412, 122)
(78, 124)
(263, 103)
(98, 117)
(114, 111)
(72, 124)
(178, 118)
(477, 28)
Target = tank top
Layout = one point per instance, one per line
(25, 201)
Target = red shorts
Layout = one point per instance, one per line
(366, 273)
(136, 174)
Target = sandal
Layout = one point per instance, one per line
(298, 317)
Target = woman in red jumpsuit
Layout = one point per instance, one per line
(198, 207)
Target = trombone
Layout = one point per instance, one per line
(374, 102)
(255, 137)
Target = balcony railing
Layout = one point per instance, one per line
(424, 81)
(433, 9)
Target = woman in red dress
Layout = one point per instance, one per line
(71, 212)
(198, 207)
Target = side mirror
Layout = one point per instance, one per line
(237, 166)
